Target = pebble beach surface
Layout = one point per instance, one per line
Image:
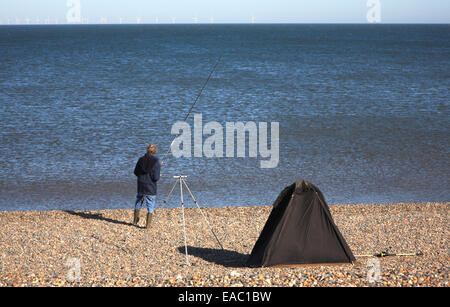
(102, 248)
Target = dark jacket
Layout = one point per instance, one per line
(147, 171)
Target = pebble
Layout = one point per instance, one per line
(35, 248)
(234, 274)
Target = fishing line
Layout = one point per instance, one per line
(192, 106)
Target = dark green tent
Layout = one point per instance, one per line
(300, 230)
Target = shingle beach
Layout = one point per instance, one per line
(102, 248)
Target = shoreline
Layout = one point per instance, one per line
(42, 248)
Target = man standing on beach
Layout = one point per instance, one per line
(147, 171)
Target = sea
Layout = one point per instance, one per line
(363, 111)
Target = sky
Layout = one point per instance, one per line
(223, 11)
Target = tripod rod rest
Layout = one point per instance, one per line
(179, 176)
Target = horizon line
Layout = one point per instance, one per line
(225, 23)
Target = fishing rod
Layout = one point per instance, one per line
(192, 106)
(386, 254)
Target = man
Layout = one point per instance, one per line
(147, 171)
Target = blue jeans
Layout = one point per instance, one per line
(147, 201)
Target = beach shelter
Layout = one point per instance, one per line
(300, 230)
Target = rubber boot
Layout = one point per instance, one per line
(136, 217)
(149, 220)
